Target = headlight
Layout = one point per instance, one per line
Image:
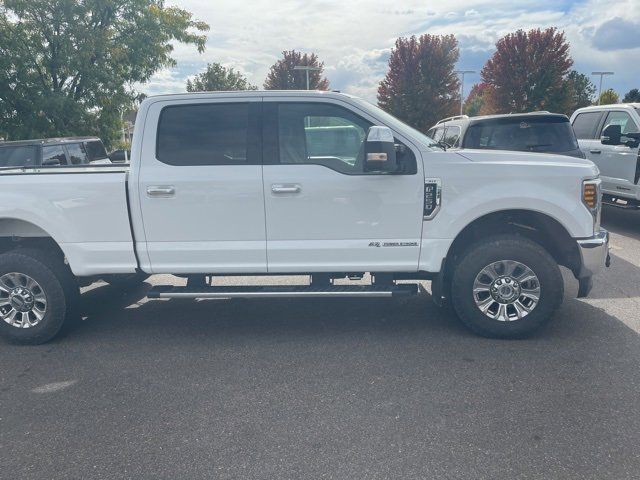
(592, 199)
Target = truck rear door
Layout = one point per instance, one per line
(200, 187)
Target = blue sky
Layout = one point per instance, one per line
(354, 38)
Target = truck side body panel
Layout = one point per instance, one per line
(84, 212)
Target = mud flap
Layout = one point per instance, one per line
(585, 286)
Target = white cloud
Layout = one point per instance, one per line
(354, 38)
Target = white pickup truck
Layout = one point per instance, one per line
(307, 183)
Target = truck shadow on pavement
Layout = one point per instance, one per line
(620, 221)
(615, 281)
(107, 310)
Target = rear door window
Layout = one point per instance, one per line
(17, 156)
(585, 125)
(205, 134)
(532, 134)
(95, 151)
(53, 155)
(77, 154)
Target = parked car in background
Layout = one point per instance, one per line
(609, 135)
(539, 132)
(53, 152)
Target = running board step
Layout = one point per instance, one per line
(345, 291)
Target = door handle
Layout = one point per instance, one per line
(286, 188)
(161, 191)
(596, 151)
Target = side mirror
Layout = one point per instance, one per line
(380, 151)
(611, 135)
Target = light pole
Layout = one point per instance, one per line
(462, 73)
(602, 74)
(307, 69)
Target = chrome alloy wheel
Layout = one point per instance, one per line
(23, 303)
(506, 290)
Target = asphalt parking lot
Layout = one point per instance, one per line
(340, 389)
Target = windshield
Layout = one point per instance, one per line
(398, 124)
(525, 134)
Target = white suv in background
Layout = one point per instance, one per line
(609, 136)
(535, 132)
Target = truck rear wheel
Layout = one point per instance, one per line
(33, 303)
(506, 287)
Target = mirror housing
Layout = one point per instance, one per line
(611, 135)
(380, 151)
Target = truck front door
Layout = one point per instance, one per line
(619, 161)
(324, 213)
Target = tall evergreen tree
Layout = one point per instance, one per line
(580, 91)
(632, 96)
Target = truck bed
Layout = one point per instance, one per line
(83, 208)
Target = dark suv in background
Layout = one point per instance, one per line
(540, 132)
(51, 152)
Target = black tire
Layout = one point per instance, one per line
(506, 248)
(126, 282)
(55, 280)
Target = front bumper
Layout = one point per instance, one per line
(594, 256)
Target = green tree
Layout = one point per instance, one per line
(609, 97)
(68, 67)
(217, 78)
(282, 75)
(527, 71)
(475, 104)
(632, 96)
(580, 92)
(420, 86)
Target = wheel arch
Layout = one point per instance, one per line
(536, 226)
(18, 233)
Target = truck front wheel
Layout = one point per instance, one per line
(33, 304)
(506, 287)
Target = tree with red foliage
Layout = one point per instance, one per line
(527, 71)
(421, 87)
(282, 76)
